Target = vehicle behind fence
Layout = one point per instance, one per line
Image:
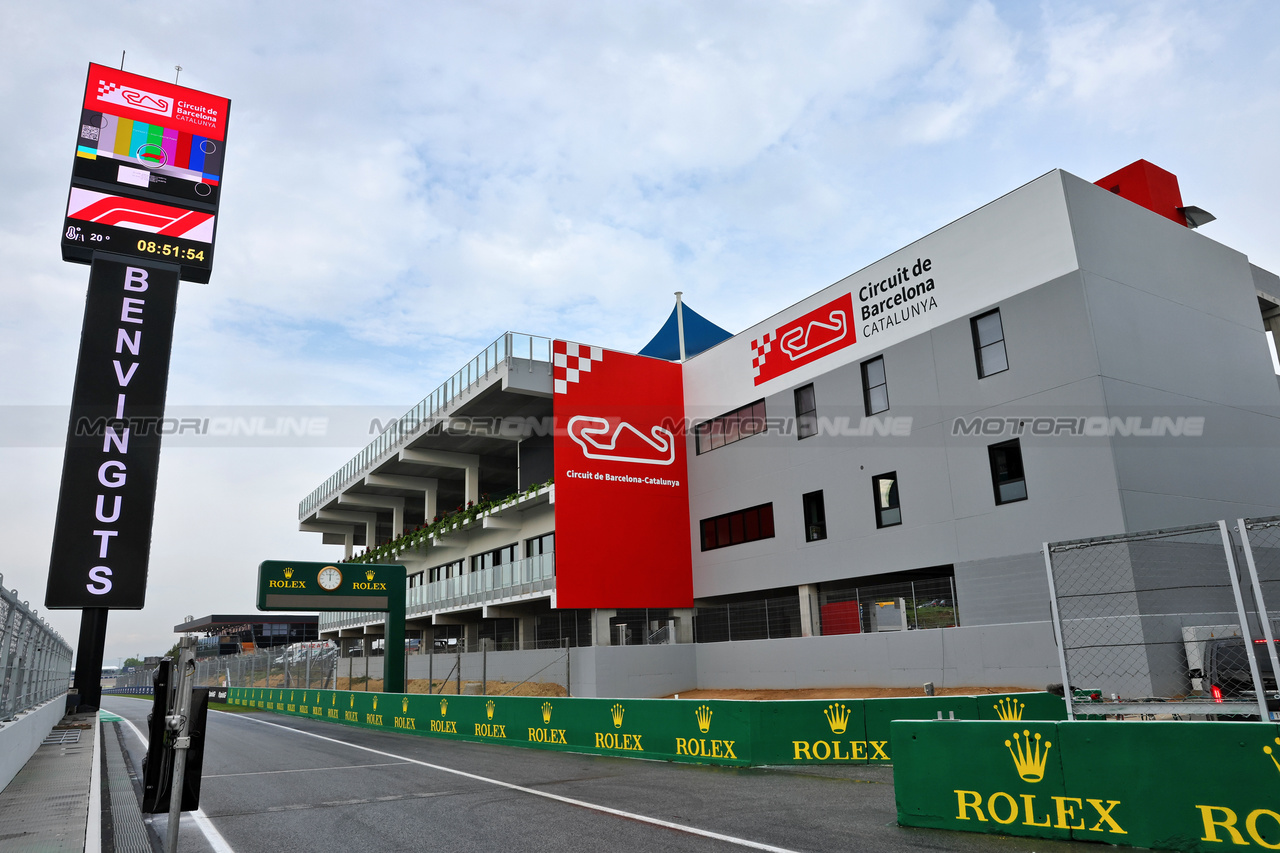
(35, 662)
(1169, 621)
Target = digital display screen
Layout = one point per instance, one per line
(147, 174)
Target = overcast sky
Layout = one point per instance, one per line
(405, 181)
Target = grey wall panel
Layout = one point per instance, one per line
(1004, 589)
(1156, 342)
(1121, 241)
(1012, 655)
(634, 672)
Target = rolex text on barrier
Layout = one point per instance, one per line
(379, 587)
(721, 731)
(102, 535)
(1167, 785)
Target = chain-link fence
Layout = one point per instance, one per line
(35, 662)
(1156, 622)
(899, 606)
(761, 619)
(452, 667)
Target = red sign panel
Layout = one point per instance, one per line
(808, 338)
(622, 486)
(143, 99)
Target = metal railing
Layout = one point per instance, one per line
(35, 662)
(511, 345)
(488, 586)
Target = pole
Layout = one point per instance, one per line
(680, 322)
(568, 670)
(93, 639)
(484, 667)
(458, 677)
(431, 664)
(180, 724)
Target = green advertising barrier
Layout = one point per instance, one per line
(714, 731)
(1195, 786)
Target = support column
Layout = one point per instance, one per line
(810, 618)
(468, 462)
(601, 633)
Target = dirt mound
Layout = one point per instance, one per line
(843, 693)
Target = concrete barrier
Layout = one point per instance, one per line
(712, 731)
(20, 738)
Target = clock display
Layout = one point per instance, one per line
(329, 578)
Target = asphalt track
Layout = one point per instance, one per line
(274, 783)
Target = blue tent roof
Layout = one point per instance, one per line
(699, 334)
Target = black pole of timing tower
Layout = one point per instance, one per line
(89, 650)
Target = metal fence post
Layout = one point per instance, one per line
(1244, 623)
(484, 667)
(1263, 615)
(568, 670)
(458, 678)
(1057, 632)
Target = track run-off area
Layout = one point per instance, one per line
(275, 783)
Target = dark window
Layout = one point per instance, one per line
(496, 557)
(1006, 472)
(730, 427)
(806, 412)
(885, 489)
(448, 570)
(988, 343)
(543, 544)
(875, 389)
(815, 517)
(734, 528)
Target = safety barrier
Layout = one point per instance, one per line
(712, 731)
(1165, 785)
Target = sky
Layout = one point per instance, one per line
(406, 181)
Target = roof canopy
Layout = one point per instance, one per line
(699, 334)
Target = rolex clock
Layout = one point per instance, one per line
(329, 578)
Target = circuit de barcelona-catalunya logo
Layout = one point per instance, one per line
(623, 443)
(807, 338)
(138, 99)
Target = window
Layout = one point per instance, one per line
(885, 489)
(730, 427)
(1006, 472)
(544, 544)
(815, 517)
(734, 528)
(806, 412)
(988, 343)
(496, 557)
(448, 570)
(875, 389)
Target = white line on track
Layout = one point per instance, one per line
(300, 770)
(211, 834)
(692, 830)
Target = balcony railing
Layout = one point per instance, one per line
(487, 586)
(429, 409)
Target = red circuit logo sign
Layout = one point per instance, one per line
(138, 99)
(623, 443)
(807, 338)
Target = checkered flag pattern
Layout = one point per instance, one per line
(570, 361)
(105, 88)
(760, 349)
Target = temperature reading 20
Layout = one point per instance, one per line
(168, 250)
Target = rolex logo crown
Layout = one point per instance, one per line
(704, 718)
(1029, 758)
(368, 575)
(1270, 752)
(444, 706)
(375, 701)
(288, 572)
(837, 717)
(617, 711)
(1009, 709)
(404, 705)
(488, 709)
(546, 713)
